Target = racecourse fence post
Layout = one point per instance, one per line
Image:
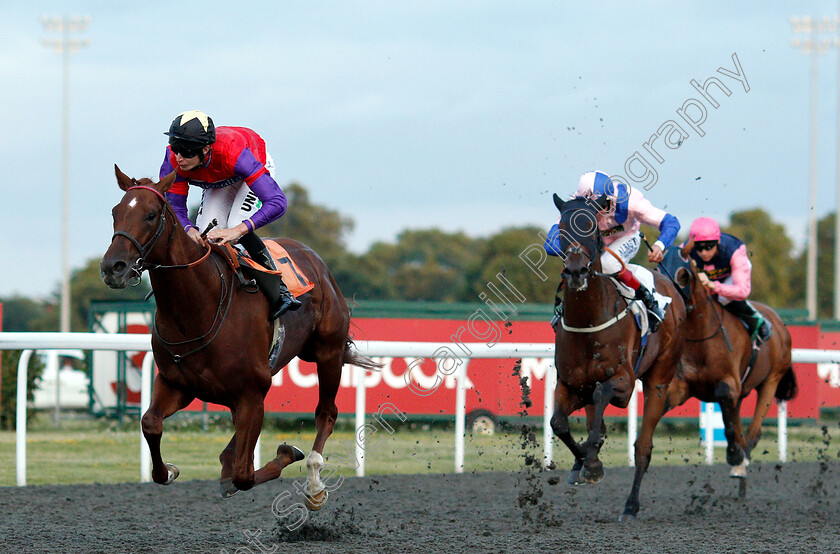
(709, 438)
(20, 418)
(359, 374)
(146, 371)
(781, 407)
(633, 423)
(548, 411)
(460, 415)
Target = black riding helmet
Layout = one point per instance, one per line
(190, 132)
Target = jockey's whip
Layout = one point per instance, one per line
(209, 228)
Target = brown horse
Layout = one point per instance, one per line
(715, 359)
(211, 336)
(599, 352)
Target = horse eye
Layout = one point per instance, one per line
(151, 216)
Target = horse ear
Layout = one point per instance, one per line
(558, 202)
(124, 181)
(686, 249)
(165, 183)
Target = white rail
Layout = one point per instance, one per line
(134, 342)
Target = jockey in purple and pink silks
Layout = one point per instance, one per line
(234, 170)
(725, 271)
(619, 228)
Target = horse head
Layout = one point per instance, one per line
(678, 265)
(580, 240)
(139, 221)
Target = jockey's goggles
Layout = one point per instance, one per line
(185, 151)
(705, 245)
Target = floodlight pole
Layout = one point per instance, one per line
(65, 46)
(812, 46)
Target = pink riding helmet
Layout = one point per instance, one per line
(704, 228)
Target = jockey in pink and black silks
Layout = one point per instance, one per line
(235, 172)
(726, 272)
(619, 227)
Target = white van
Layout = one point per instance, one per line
(72, 383)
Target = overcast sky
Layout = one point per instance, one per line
(458, 115)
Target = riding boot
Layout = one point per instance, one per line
(759, 328)
(259, 253)
(656, 313)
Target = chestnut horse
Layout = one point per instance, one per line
(599, 352)
(211, 336)
(714, 362)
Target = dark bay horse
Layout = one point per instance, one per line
(715, 358)
(599, 352)
(211, 336)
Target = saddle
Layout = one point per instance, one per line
(254, 276)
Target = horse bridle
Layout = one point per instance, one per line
(140, 265)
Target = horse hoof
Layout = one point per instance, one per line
(227, 488)
(627, 518)
(172, 473)
(575, 477)
(740, 471)
(593, 475)
(298, 454)
(316, 502)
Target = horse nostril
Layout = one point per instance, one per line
(118, 268)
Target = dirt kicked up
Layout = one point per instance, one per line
(789, 508)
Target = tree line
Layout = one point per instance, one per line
(434, 265)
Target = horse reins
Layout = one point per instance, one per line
(141, 265)
(220, 317)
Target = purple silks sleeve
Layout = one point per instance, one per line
(272, 198)
(179, 206)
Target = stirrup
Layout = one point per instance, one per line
(654, 319)
(761, 338)
(288, 303)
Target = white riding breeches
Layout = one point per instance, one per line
(626, 248)
(230, 205)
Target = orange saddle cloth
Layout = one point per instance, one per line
(293, 277)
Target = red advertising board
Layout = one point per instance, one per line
(492, 385)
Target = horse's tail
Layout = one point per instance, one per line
(787, 388)
(351, 356)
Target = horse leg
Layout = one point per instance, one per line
(248, 420)
(762, 405)
(166, 400)
(227, 459)
(329, 378)
(725, 395)
(593, 469)
(286, 455)
(655, 396)
(567, 403)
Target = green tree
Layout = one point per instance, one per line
(427, 264)
(8, 393)
(825, 270)
(769, 249)
(20, 312)
(85, 285)
(322, 229)
(501, 254)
